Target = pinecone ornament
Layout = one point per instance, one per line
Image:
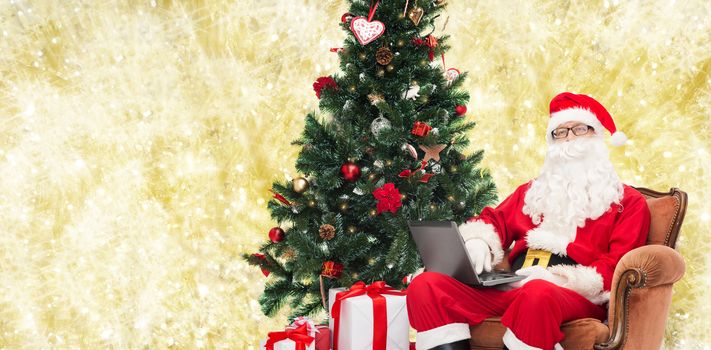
(327, 232)
(383, 56)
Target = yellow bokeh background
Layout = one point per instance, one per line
(139, 139)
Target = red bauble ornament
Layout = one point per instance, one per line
(461, 110)
(350, 171)
(331, 269)
(276, 234)
(261, 256)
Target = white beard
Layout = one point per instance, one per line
(577, 182)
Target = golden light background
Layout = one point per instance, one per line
(139, 139)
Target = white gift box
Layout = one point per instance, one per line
(356, 324)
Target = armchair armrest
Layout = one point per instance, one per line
(644, 268)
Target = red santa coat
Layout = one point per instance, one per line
(596, 247)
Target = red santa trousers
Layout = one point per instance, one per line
(441, 309)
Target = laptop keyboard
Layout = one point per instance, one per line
(490, 276)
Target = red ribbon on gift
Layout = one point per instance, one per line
(375, 291)
(299, 335)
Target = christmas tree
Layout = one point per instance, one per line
(386, 147)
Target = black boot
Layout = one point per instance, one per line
(457, 345)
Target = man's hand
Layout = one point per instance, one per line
(417, 273)
(537, 273)
(480, 254)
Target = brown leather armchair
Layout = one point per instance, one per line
(641, 289)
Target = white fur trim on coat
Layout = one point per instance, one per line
(548, 239)
(583, 279)
(573, 114)
(513, 343)
(485, 232)
(446, 334)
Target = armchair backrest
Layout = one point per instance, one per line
(667, 210)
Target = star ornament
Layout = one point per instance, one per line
(375, 98)
(432, 152)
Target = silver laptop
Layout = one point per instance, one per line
(442, 250)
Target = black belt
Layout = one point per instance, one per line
(533, 255)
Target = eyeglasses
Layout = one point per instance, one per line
(578, 130)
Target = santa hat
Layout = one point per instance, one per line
(582, 108)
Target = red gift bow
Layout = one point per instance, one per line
(407, 173)
(380, 312)
(299, 336)
(431, 42)
(303, 320)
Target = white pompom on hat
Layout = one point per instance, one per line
(568, 106)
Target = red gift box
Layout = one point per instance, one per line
(323, 337)
(421, 129)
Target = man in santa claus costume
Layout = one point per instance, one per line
(569, 227)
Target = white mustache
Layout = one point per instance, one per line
(570, 150)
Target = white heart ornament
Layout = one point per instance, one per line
(366, 31)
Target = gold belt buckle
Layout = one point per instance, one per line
(537, 257)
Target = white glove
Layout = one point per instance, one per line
(417, 273)
(480, 254)
(537, 273)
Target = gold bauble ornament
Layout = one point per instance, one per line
(352, 229)
(362, 56)
(390, 68)
(300, 184)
